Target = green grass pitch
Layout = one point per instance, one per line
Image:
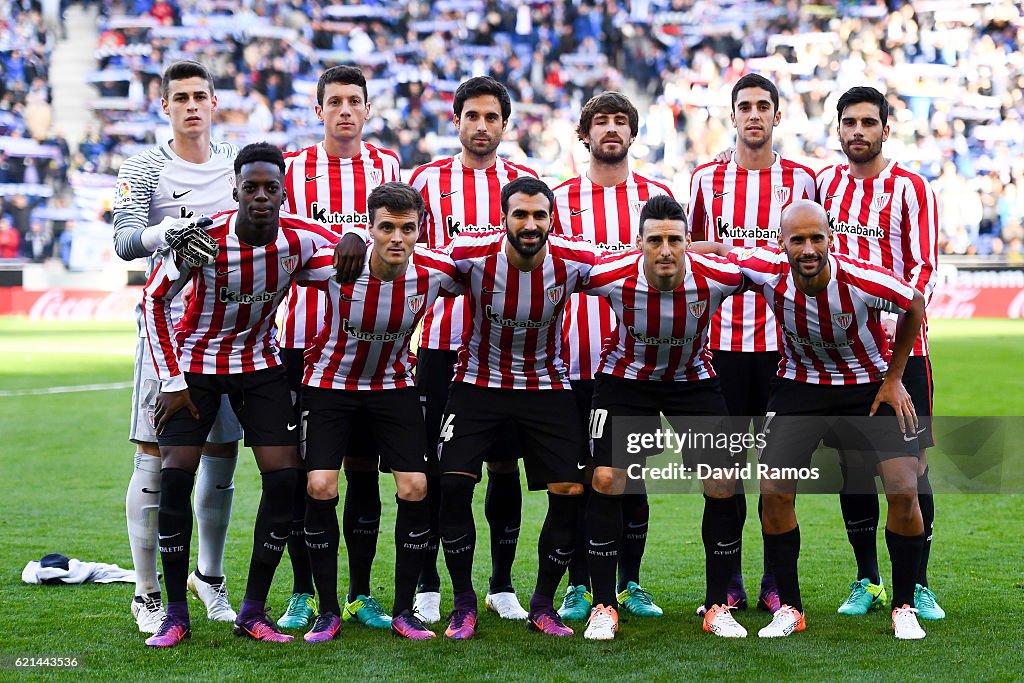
(65, 462)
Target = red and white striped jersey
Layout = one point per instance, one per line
(458, 200)
(331, 191)
(364, 341)
(741, 208)
(661, 336)
(835, 337)
(228, 325)
(609, 218)
(890, 220)
(516, 335)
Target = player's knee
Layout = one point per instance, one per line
(180, 457)
(566, 489)
(148, 448)
(776, 509)
(456, 492)
(322, 484)
(609, 481)
(276, 503)
(221, 450)
(903, 506)
(503, 467)
(411, 485)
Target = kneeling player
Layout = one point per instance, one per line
(654, 362)
(357, 377)
(828, 308)
(223, 345)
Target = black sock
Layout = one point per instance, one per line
(361, 526)
(926, 500)
(720, 532)
(765, 571)
(302, 575)
(740, 501)
(430, 580)
(782, 552)
(174, 524)
(905, 555)
(860, 514)
(458, 533)
(636, 514)
(412, 528)
(555, 545)
(271, 531)
(322, 538)
(604, 534)
(579, 570)
(503, 506)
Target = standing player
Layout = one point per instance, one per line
(224, 345)
(885, 214)
(159, 190)
(359, 377)
(655, 362)
(329, 182)
(604, 208)
(828, 307)
(463, 194)
(739, 204)
(510, 371)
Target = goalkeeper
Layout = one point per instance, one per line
(160, 196)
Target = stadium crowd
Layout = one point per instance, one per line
(953, 71)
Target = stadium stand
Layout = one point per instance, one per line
(953, 71)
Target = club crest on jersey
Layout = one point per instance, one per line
(880, 201)
(637, 206)
(843, 320)
(415, 302)
(697, 308)
(781, 193)
(555, 294)
(231, 180)
(375, 177)
(290, 263)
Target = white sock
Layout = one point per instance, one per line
(141, 507)
(215, 488)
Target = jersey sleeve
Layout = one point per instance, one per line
(163, 285)
(443, 270)
(319, 269)
(922, 235)
(136, 182)
(756, 263)
(697, 214)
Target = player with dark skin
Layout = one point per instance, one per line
(259, 190)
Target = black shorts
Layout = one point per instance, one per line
(392, 416)
(260, 399)
(624, 410)
(476, 419)
(434, 371)
(361, 443)
(747, 379)
(800, 415)
(917, 380)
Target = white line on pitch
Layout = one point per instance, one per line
(6, 393)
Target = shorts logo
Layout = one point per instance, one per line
(842, 319)
(637, 207)
(697, 308)
(781, 193)
(880, 201)
(290, 263)
(375, 177)
(555, 293)
(123, 193)
(415, 302)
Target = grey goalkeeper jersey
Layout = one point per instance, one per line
(157, 183)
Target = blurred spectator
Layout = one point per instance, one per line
(9, 240)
